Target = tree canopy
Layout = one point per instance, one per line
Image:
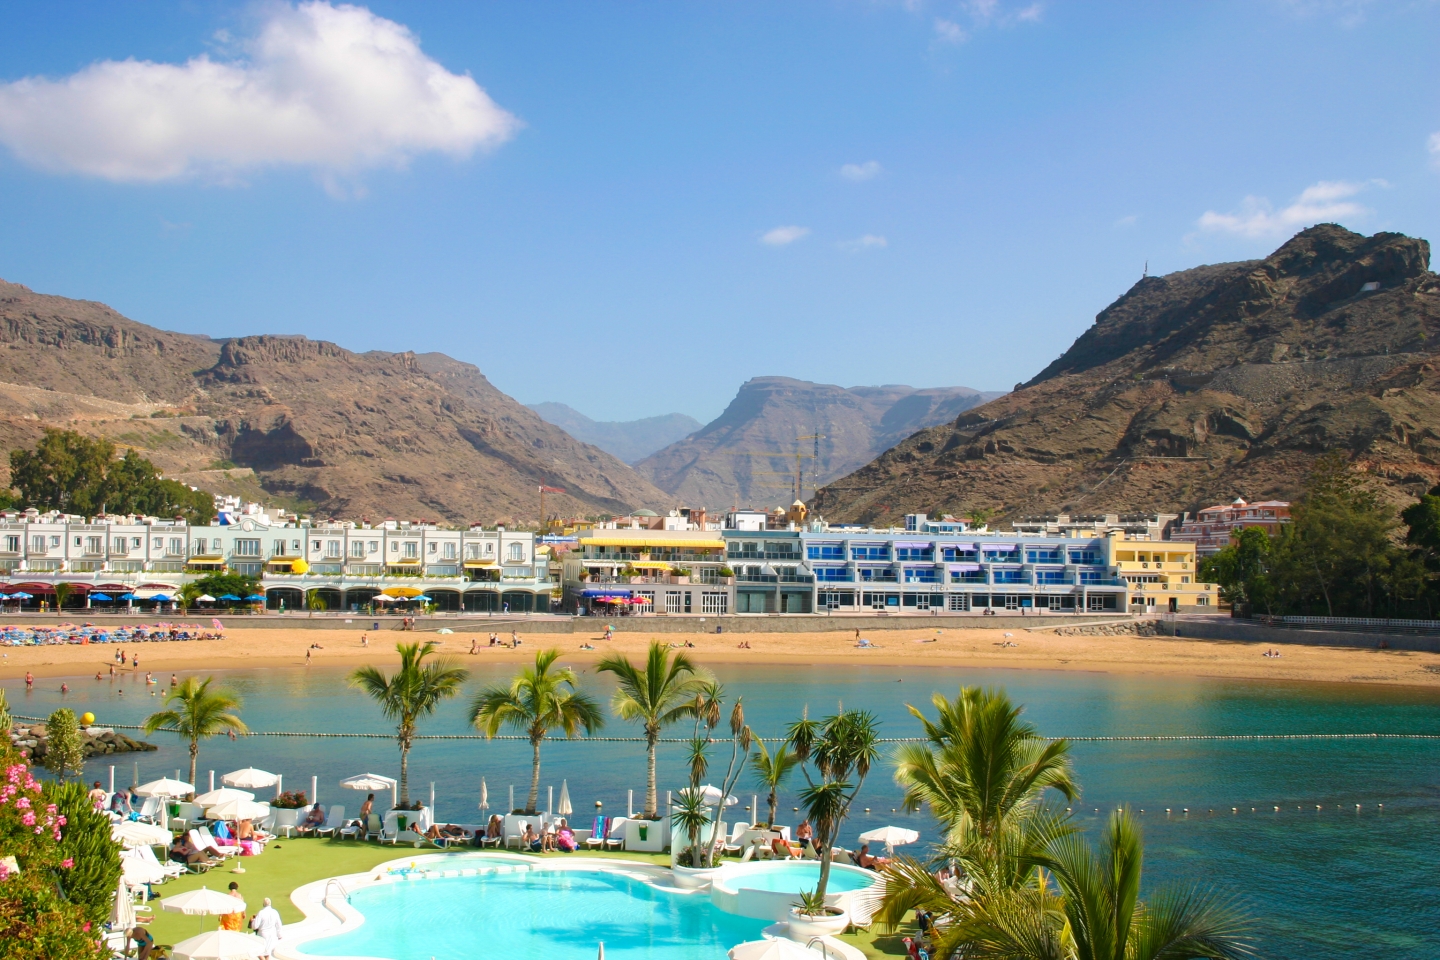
(73, 473)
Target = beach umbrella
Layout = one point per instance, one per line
(892, 837)
(122, 911)
(238, 810)
(249, 778)
(229, 596)
(484, 795)
(204, 598)
(220, 796)
(220, 945)
(778, 949)
(564, 809)
(381, 598)
(710, 795)
(256, 596)
(369, 782)
(100, 596)
(202, 903)
(159, 598)
(165, 787)
(135, 870)
(133, 833)
(422, 598)
(22, 595)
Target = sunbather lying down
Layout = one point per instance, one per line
(448, 831)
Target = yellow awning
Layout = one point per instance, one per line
(401, 592)
(650, 565)
(662, 543)
(403, 563)
(480, 563)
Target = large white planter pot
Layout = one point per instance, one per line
(802, 928)
(693, 878)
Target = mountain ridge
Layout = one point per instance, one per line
(1221, 380)
(630, 440)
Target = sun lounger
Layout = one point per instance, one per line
(615, 834)
(170, 867)
(333, 822)
(150, 810)
(732, 845)
(374, 827)
(596, 840)
(353, 829)
(231, 849)
(301, 829)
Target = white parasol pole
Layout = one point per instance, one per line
(136, 781)
(278, 778)
(755, 810)
(212, 781)
(432, 799)
(512, 799)
(549, 800)
(314, 790)
(630, 805)
(112, 778)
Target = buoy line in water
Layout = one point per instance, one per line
(1114, 739)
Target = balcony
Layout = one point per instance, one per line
(773, 578)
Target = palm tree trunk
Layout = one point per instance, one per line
(404, 773)
(650, 801)
(773, 800)
(825, 869)
(194, 759)
(534, 777)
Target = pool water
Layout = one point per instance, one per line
(793, 878)
(536, 915)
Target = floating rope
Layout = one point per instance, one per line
(1115, 739)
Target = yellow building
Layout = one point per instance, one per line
(1162, 576)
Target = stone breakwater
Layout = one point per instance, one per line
(95, 741)
(1137, 628)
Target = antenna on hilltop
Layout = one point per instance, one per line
(1146, 272)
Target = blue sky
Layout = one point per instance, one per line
(633, 207)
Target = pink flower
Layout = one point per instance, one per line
(28, 819)
(23, 803)
(67, 863)
(86, 927)
(60, 820)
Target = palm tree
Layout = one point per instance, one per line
(536, 702)
(983, 768)
(771, 771)
(665, 690)
(839, 748)
(1098, 914)
(195, 712)
(412, 692)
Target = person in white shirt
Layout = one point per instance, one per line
(423, 818)
(266, 924)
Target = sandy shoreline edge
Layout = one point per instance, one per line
(917, 647)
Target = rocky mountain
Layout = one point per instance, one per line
(747, 456)
(303, 422)
(630, 440)
(1196, 387)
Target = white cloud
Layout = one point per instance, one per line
(868, 170)
(1030, 14)
(1435, 147)
(1326, 201)
(1129, 221)
(948, 31)
(781, 236)
(333, 88)
(868, 242)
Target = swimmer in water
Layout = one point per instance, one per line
(64, 688)
(29, 680)
(173, 681)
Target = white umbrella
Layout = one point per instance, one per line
(381, 598)
(564, 809)
(220, 945)
(204, 598)
(710, 795)
(165, 787)
(484, 795)
(133, 833)
(249, 779)
(122, 912)
(202, 903)
(135, 870)
(892, 837)
(778, 949)
(238, 810)
(368, 781)
(223, 794)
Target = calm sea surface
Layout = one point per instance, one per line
(1327, 883)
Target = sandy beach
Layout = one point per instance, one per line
(1020, 650)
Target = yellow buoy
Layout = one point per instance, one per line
(87, 718)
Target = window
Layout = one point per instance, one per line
(295, 547)
(77, 541)
(517, 551)
(54, 541)
(1087, 558)
(373, 546)
(825, 551)
(921, 575)
(674, 601)
(953, 554)
(959, 602)
(357, 549)
(449, 553)
(1009, 576)
(177, 546)
(714, 603)
(157, 544)
(1049, 576)
(1045, 554)
(1091, 576)
(1096, 603)
(394, 546)
(489, 549)
(247, 548)
(136, 543)
(433, 546)
(1202, 601)
(870, 551)
(332, 549)
(412, 550)
(12, 544)
(831, 574)
(472, 551)
(37, 544)
(200, 544)
(279, 550)
(915, 553)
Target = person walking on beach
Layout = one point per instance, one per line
(112, 671)
(514, 639)
(266, 923)
(29, 680)
(364, 640)
(307, 656)
(474, 645)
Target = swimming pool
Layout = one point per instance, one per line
(795, 877)
(535, 914)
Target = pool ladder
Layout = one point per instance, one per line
(824, 950)
(332, 882)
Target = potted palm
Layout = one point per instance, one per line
(813, 917)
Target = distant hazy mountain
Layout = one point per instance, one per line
(737, 458)
(630, 440)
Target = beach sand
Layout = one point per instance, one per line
(945, 646)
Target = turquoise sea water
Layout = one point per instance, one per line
(1328, 883)
(537, 916)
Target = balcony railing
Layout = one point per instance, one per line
(775, 578)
